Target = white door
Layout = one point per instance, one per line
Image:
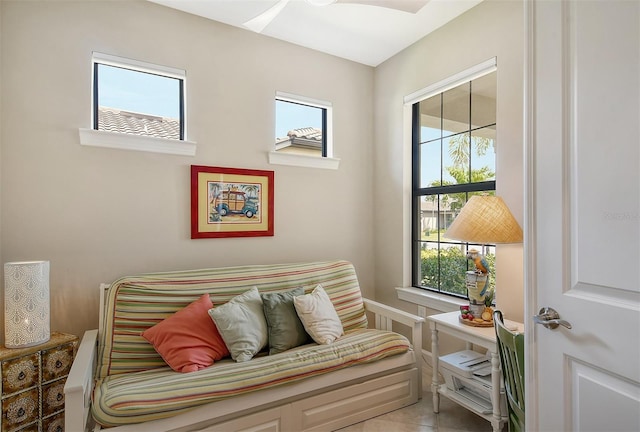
(583, 214)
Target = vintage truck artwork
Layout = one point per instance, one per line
(229, 199)
(231, 202)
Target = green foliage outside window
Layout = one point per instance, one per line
(453, 265)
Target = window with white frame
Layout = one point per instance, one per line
(303, 132)
(454, 130)
(138, 98)
(137, 105)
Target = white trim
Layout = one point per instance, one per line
(431, 300)
(123, 141)
(470, 74)
(407, 195)
(138, 65)
(290, 97)
(279, 158)
(530, 222)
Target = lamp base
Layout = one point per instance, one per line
(476, 286)
(471, 315)
(476, 309)
(474, 323)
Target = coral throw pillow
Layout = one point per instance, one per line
(188, 340)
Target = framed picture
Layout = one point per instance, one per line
(231, 202)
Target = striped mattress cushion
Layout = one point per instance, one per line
(160, 393)
(133, 304)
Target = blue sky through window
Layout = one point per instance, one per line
(430, 168)
(139, 92)
(294, 116)
(146, 93)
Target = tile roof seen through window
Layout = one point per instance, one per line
(306, 133)
(308, 137)
(114, 120)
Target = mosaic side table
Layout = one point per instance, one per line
(33, 384)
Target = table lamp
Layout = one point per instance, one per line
(483, 219)
(26, 303)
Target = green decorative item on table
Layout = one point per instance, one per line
(489, 296)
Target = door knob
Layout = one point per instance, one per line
(549, 318)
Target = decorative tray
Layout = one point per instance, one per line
(475, 323)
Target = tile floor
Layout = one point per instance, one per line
(420, 417)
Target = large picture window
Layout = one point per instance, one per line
(454, 157)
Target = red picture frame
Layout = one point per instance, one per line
(231, 202)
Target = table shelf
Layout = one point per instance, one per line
(485, 337)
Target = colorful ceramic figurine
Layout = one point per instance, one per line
(482, 266)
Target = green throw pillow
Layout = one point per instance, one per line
(285, 328)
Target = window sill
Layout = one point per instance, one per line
(431, 300)
(276, 158)
(92, 137)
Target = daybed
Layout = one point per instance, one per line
(120, 382)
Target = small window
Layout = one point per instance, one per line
(138, 98)
(302, 126)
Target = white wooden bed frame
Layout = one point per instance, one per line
(321, 403)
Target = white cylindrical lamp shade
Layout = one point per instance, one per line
(26, 303)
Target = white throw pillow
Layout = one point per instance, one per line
(242, 325)
(318, 316)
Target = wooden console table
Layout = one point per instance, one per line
(482, 336)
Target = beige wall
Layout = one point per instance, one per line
(1, 260)
(491, 29)
(98, 213)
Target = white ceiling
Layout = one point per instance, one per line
(362, 33)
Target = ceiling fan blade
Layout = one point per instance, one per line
(411, 6)
(258, 23)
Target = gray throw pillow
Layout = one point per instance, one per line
(284, 326)
(242, 325)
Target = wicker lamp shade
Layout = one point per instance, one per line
(485, 219)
